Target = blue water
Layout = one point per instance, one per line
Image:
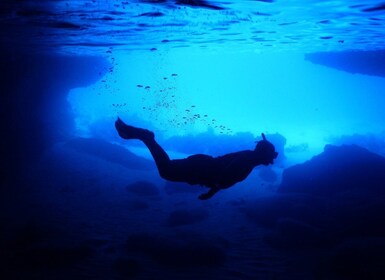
(207, 77)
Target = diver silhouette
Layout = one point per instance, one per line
(216, 173)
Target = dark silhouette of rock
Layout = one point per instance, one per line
(175, 188)
(143, 188)
(302, 221)
(110, 152)
(335, 196)
(127, 268)
(267, 174)
(267, 211)
(33, 103)
(137, 205)
(373, 142)
(186, 217)
(179, 250)
(52, 256)
(293, 234)
(337, 169)
(358, 259)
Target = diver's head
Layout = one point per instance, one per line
(265, 151)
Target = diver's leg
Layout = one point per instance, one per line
(130, 132)
(160, 156)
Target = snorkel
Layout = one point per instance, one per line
(267, 150)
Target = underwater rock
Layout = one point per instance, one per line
(268, 174)
(34, 91)
(137, 205)
(179, 250)
(357, 259)
(337, 195)
(53, 256)
(27, 235)
(174, 188)
(267, 211)
(358, 219)
(110, 152)
(294, 234)
(373, 142)
(186, 217)
(337, 169)
(127, 268)
(297, 221)
(143, 188)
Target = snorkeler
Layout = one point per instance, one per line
(216, 173)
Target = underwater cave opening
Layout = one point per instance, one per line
(184, 92)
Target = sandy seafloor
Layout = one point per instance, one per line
(76, 214)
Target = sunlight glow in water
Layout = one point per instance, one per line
(186, 67)
(176, 94)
